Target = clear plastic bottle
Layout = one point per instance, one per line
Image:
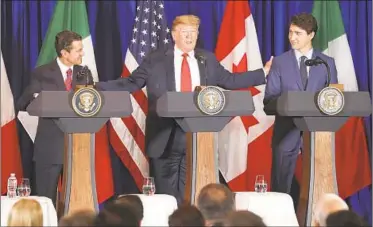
(12, 186)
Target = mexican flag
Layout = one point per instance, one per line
(352, 158)
(72, 15)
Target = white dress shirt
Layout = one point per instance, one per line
(193, 66)
(308, 55)
(64, 69)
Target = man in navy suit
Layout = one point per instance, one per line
(289, 73)
(61, 74)
(178, 68)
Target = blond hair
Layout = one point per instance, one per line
(185, 19)
(26, 212)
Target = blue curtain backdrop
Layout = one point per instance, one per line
(24, 24)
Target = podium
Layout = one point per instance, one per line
(318, 163)
(202, 158)
(79, 186)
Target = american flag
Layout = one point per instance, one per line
(127, 135)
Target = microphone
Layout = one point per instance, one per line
(202, 59)
(317, 61)
(83, 74)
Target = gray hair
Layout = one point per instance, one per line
(327, 204)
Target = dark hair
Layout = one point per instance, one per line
(64, 40)
(305, 21)
(116, 215)
(243, 218)
(78, 218)
(133, 202)
(345, 218)
(186, 215)
(215, 201)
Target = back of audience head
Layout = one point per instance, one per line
(26, 212)
(327, 204)
(345, 218)
(116, 215)
(78, 218)
(132, 201)
(243, 218)
(215, 201)
(186, 215)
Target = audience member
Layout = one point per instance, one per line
(116, 215)
(327, 204)
(134, 203)
(345, 218)
(186, 215)
(215, 201)
(26, 212)
(78, 218)
(243, 218)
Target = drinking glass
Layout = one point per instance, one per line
(260, 184)
(24, 188)
(148, 187)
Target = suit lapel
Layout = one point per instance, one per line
(295, 65)
(56, 76)
(170, 69)
(201, 68)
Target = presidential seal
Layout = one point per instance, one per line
(330, 101)
(86, 102)
(210, 100)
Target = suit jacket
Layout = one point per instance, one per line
(285, 76)
(157, 73)
(49, 140)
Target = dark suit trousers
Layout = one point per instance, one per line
(47, 176)
(283, 168)
(169, 171)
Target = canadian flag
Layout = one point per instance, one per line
(10, 153)
(244, 145)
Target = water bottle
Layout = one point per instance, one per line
(12, 186)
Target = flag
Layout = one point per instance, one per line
(351, 148)
(244, 145)
(127, 135)
(10, 153)
(72, 15)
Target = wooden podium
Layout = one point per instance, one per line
(318, 170)
(202, 159)
(79, 185)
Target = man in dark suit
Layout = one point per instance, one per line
(289, 73)
(58, 75)
(179, 68)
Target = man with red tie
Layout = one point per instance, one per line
(178, 68)
(58, 75)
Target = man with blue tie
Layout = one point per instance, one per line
(289, 73)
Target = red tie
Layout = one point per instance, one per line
(69, 79)
(186, 78)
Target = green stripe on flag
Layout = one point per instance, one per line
(330, 23)
(68, 15)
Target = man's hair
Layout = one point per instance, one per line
(215, 201)
(186, 215)
(64, 40)
(133, 202)
(243, 218)
(78, 218)
(305, 21)
(327, 204)
(116, 215)
(345, 218)
(185, 19)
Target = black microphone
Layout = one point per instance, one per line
(202, 59)
(83, 74)
(317, 61)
